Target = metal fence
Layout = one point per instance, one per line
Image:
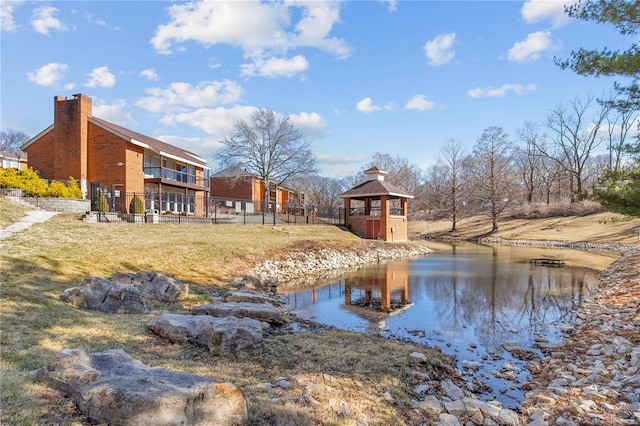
(152, 207)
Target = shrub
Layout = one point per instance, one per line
(73, 190)
(57, 189)
(33, 186)
(136, 205)
(100, 203)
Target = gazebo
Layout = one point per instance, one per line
(376, 209)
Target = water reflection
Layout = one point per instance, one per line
(471, 300)
(378, 292)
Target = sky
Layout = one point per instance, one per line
(355, 77)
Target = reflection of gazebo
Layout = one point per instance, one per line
(390, 278)
(377, 209)
(377, 304)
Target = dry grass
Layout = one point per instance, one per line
(10, 212)
(601, 227)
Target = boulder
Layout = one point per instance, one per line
(103, 295)
(258, 311)
(260, 282)
(224, 336)
(249, 296)
(154, 285)
(113, 388)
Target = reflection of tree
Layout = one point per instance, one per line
(493, 296)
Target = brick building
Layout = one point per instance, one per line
(235, 183)
(104, 156)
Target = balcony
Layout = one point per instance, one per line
(175, 177)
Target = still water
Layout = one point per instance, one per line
(472, 301)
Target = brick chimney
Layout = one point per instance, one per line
(70, 138)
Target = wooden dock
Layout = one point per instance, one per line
(547, 262)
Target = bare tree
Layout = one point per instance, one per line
(528, 159)
(401, 173)
(322, 191)
(492, 173)
(12, 140)
(269, 146)
(447, 182)
(625, 117)
(574, 138)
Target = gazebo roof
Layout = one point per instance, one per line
(374, 187)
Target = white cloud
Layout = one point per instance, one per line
(7, 22)
(180, 96)
(366, 106)
(114, 112)
(440, 51)
(204, 147)
(420, 103)
(93, 20)
(43, 20)
(393, 5)
(261, 29)
(531, 48)
(101, 77)
(274, 67)
(499, 92)
(310, 124)
(534, 11)
(213, 121)
(149, 74)
(48, 75)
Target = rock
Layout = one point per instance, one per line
(420, 389)
(451, 390)
(449, 420)
(111, 387)
(248, 296)
(103, 295)
(257, 311)
(154, 285)
(340, 408)
(418, 357)
(260, 281)
(508, 418)
(471, 365)
(225, 336)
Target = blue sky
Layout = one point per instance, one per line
(357, 77)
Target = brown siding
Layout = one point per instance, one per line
(225, 187)
(39, 154)
(106, 148)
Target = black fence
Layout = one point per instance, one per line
(152, 207)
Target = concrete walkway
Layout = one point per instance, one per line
(35, 216)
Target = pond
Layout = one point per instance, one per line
(483, 304)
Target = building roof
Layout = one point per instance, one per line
(155, 145)
(162, 148)
(374, 188)
(234, 172)
(22, 156)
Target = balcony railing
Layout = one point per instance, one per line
(175, 175)
(375, 211)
